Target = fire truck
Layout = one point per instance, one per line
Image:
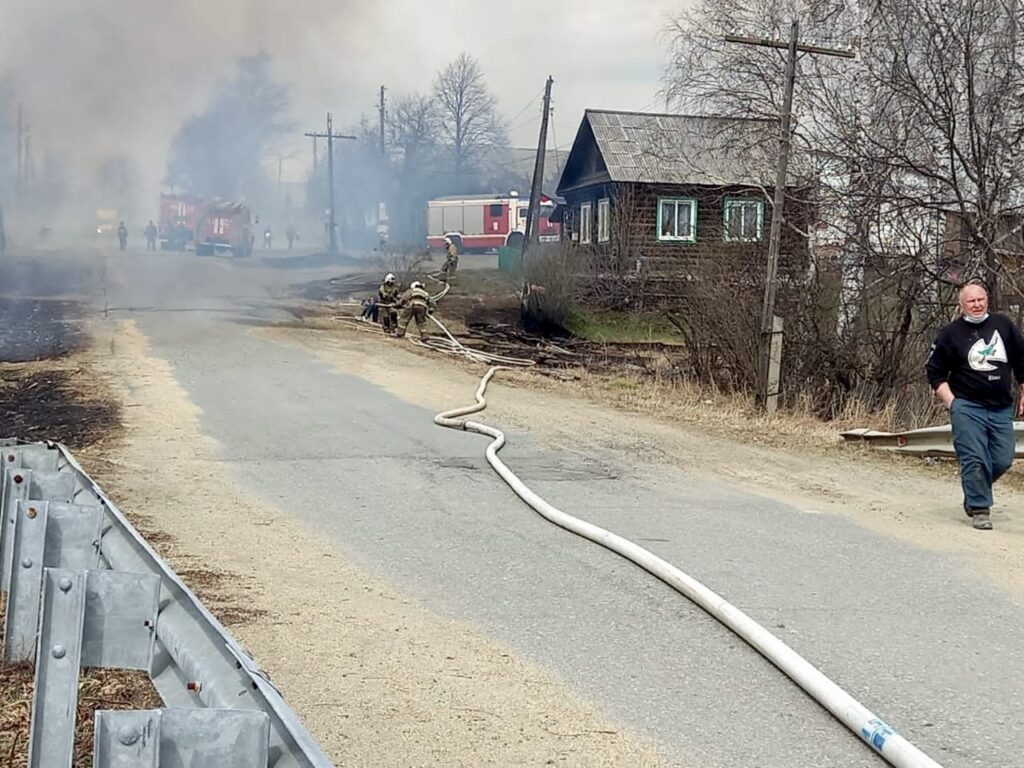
(210, 227)
(224, 227)
(486, 222)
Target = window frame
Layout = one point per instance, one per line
(738, 201)
(586, 223)
(692, 201)
(604, 223)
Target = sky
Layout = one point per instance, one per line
(121, 76)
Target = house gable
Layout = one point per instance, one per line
(585, 166)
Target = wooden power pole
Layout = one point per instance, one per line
(770, 356)
(380, 108)
(330, 135)
(533, 212)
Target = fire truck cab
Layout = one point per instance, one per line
(486, 222)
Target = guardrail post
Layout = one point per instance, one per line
(58, 655)
(198, 738)
(46, 535)
(16, 487)
(35, 485)
(21, 618)
(88, 618)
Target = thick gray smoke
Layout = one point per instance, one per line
(119, 77)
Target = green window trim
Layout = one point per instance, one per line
(740, 202)
(692, 237)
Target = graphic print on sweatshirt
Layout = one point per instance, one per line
(984, 353)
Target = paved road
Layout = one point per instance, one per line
(937, 654)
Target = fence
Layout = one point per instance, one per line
(84, 589)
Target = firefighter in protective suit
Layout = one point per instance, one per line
(451, 261)
(387, 303)
(415, 304)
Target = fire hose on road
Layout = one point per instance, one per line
(892, 747)
(883, 739)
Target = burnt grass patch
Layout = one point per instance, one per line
(52, 405)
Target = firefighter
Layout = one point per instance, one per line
(151, 236)
(267, 237)
(292, 235)
(387, 303)
(415, 303)
(122, 235)
(451, 262)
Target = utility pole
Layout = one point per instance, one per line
(332, 235)
(381, 108)
(315, 164)
(532, 213)
(20, 178)
(770, 356)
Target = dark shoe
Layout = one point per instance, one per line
(967, 510)
(981, 520)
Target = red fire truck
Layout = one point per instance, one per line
(209, 226)
(179, 215)
(224, 227)
(486, 222)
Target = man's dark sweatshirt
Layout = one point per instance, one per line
(976, 360)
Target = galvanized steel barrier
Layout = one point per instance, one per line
(84, 589)
(928, 441)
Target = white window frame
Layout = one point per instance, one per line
(586, 223)
(604, 228)
(741, 202)
(692, 202)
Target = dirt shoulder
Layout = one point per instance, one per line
(894, 496)
(378, 680)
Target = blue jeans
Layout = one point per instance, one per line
(984, 444)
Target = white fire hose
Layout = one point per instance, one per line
(895, 749)
(854, 715)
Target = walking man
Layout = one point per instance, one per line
(151, 236)
(970, 368)
(122, 235)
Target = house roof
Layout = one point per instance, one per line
(649, 148)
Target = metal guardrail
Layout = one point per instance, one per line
(928, 441)
(84, 589)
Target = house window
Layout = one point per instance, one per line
(585, 223)
(603, 224)
(743, 219)
(677, 219)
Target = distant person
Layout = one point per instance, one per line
(291, 235)
(267, 237)
(122, 235)
(451, 261)
(970, 368)
(151, 236)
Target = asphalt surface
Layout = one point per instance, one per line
(934, 652)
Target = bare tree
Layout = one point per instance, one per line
(412, 129)
(467, 112)
(925, 129)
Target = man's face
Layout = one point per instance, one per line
(974, 301)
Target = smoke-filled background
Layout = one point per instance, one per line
(122, 100)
